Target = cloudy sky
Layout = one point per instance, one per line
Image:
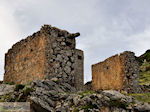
(107, 27)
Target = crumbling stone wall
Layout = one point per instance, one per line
(79, 79)
(49, 53)
(119, 72)
(25, 61)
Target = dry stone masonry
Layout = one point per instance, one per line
(49, 61)
(119, 72)
(51, 54)
(48, 54)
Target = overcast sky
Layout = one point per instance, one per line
(107, 27)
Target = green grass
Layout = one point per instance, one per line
(144, 78)
(3, 110)
(118, 103)
(85, 93)
(10, 83)
(6, 98)
(87, 107)
(75, 110)
(27, 90)
(143, 97)
(147, 56)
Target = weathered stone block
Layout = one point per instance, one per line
(118, 72)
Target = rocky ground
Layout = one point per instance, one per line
(52, 96)
(55, 96)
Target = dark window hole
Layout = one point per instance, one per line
(80, 57)
(68, 43)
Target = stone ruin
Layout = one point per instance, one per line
(48, 54)
(119, 72)
(51, 54)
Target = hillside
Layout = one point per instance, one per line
(53, 96)
(144, 61)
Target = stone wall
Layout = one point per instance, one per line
(49, 53)
(79, 70)
(25, 61)
(119, 72)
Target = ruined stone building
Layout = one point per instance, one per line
(46, 54)
(119, 72)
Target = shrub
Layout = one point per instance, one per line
(19, 87)
(87, 107)
(27, 90)
(9, 83)
(118, 103)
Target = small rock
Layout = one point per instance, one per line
(115, 95)
(69, 53)
(67, 69)
(63, 43)
(54, 45)
(143, 107)
(6, 89)
(68, 63)
(54, 79)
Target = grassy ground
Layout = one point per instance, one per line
(145, 74)
(144, 78)
(143, 97)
